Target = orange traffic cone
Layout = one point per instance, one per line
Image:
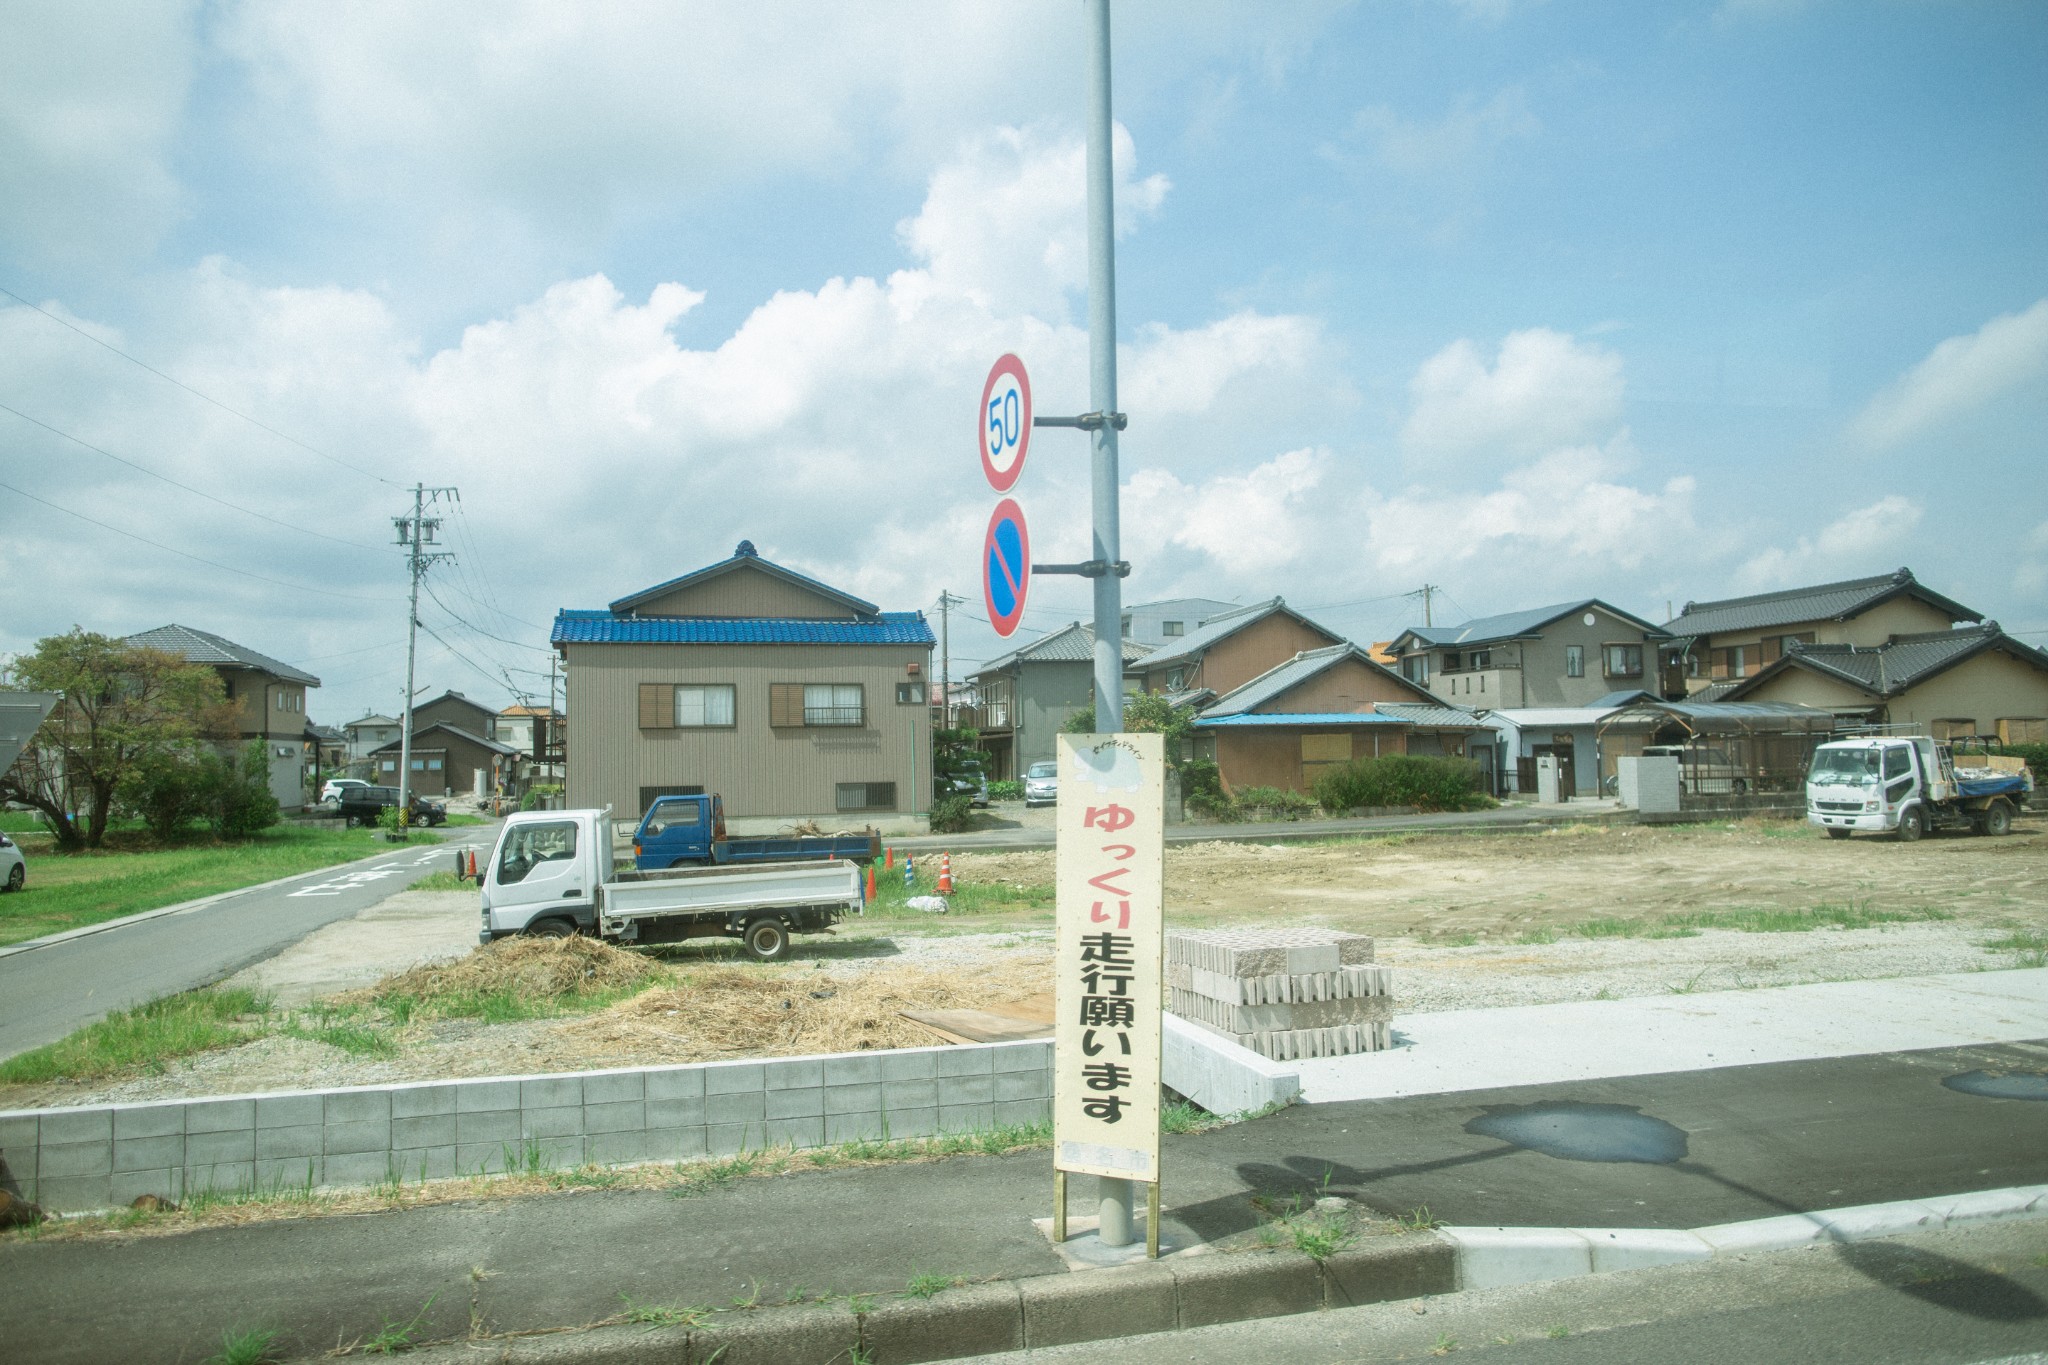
(871, 882)
(888, 858)
(472, 864)
(945, 874)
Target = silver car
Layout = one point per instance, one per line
(1042, 784)
(13, 867)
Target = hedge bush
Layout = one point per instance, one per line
(951, 815)
(1427, 783)
(1006, 790)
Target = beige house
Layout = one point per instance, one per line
(787, 697)
(1227, 651)
(269, 697)
(1569, 654)
(1716, 645)
(1971, 681)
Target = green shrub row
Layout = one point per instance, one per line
(1427, 783)
(952, 815)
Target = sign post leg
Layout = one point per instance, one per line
(1113, 1228)
(1152, 1221)
(1059, 1206)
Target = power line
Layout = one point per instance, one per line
(196, 559)
(204, 397)
(196, 492)
(516, 644)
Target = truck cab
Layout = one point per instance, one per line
(544, 873)
(678, 831)
(1906, 786)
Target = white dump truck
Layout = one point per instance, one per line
(552, 873)
(1908, 786)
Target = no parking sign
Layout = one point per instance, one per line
(1006, 567)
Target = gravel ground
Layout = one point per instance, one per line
(1430, 977)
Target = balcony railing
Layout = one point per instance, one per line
(832, 715)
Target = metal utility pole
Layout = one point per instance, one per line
(415, 533)
(1113, 1227)
(946, 601)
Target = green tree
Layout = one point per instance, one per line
(123, 707)
(1145, 712)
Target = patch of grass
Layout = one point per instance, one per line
(459, 820)
(396, 1337)
(1445, 1344)
(245, 1346)
(356, 1039)
(1537, 936)
(1185, 1116)
(145, 1037)
(662, 1315)
(1419, 1219)
(73, 890)
(926, 1286)
(1010, 900)
(1557, 1331)
(2031, 948)
(444, 880)
(1758, 919)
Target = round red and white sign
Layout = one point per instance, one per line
(1004, 419)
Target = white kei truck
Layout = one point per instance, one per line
(553, 874)
(1908, 786)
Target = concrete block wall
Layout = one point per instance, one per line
(1283, 993)
(101, 1156)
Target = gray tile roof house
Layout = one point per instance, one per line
(1822, 602)
(1512, 625)
(1027, 695)
(1888, 670)
(204, 647)
(1301, 668)
(1222, 627)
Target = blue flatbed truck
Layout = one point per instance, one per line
(689, 831)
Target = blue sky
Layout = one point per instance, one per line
(1527, 300)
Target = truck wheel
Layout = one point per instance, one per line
(1912, 824)
(766, 939)
(1838, 834)
(1997, 819)
(551, 928)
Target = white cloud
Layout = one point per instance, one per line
(1959, 376)
(1005, 223)
(1859, 542)
(1246, 525)
(91, 100)
(1468, 133)
(1544, 390)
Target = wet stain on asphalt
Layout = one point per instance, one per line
(1573, 1131)
(2000, 1085)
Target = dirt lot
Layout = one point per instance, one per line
(1469, 921)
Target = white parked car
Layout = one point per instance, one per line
(337, 785)
(1042, 784)
(13, 867)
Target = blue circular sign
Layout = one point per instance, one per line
(1006, 567)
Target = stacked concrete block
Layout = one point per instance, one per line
(1284, 993)
(98, 1156)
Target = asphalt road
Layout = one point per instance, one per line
(1673, 1150)
(1944, 1298)
(49, 991)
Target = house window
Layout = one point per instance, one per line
(705, 707)
(910, 694)
(833, 704)
(1172, 628)
(419, 765)
(433, 765)
(390, 765)
(1575, 661)
(1732, 661)
(865, 795)
(1624, 661)
(1176, 680)
(1452, 661)
(1482, 658)
(1319, 751)
(1415, 668)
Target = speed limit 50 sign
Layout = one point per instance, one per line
(1005, 422)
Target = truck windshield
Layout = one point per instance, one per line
(528, 846)
(1853, 767)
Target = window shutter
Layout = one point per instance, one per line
(786, 705)
(657, 706)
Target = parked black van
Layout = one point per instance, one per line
(365, 805)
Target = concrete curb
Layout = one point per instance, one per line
(1201, 1291)
(51, 940)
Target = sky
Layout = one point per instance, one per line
(1526, 301)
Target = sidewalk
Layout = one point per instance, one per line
(1751, 1142)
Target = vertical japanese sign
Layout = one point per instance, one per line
(1110, 945)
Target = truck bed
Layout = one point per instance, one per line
(2005, 784)
(723, 890)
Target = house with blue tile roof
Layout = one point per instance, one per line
(788, 697)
